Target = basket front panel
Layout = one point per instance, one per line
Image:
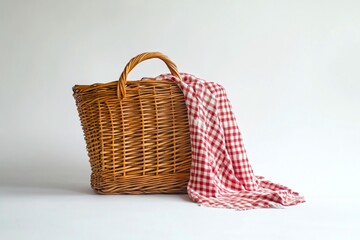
(143, 136)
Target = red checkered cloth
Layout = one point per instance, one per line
(221, 175)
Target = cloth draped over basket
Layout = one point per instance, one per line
(174, 133)
(221, 175)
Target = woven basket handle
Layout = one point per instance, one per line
(121, 92)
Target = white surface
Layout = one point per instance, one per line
(77, 216)
(291, 69)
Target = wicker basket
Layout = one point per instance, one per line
(136, 132)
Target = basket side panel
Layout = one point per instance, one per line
(90, 120)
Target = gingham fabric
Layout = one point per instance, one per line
(221, 175)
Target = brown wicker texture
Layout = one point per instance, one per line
(136, 132)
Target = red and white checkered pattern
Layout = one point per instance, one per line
(221, 175)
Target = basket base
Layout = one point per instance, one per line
(172, 183)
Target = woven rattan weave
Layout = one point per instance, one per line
(136, 133)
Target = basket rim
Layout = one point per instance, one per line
(90, 87)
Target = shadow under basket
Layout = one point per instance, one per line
(136, 132)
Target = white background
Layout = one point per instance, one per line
(291, 70)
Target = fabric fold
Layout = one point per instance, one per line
(221, 175)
